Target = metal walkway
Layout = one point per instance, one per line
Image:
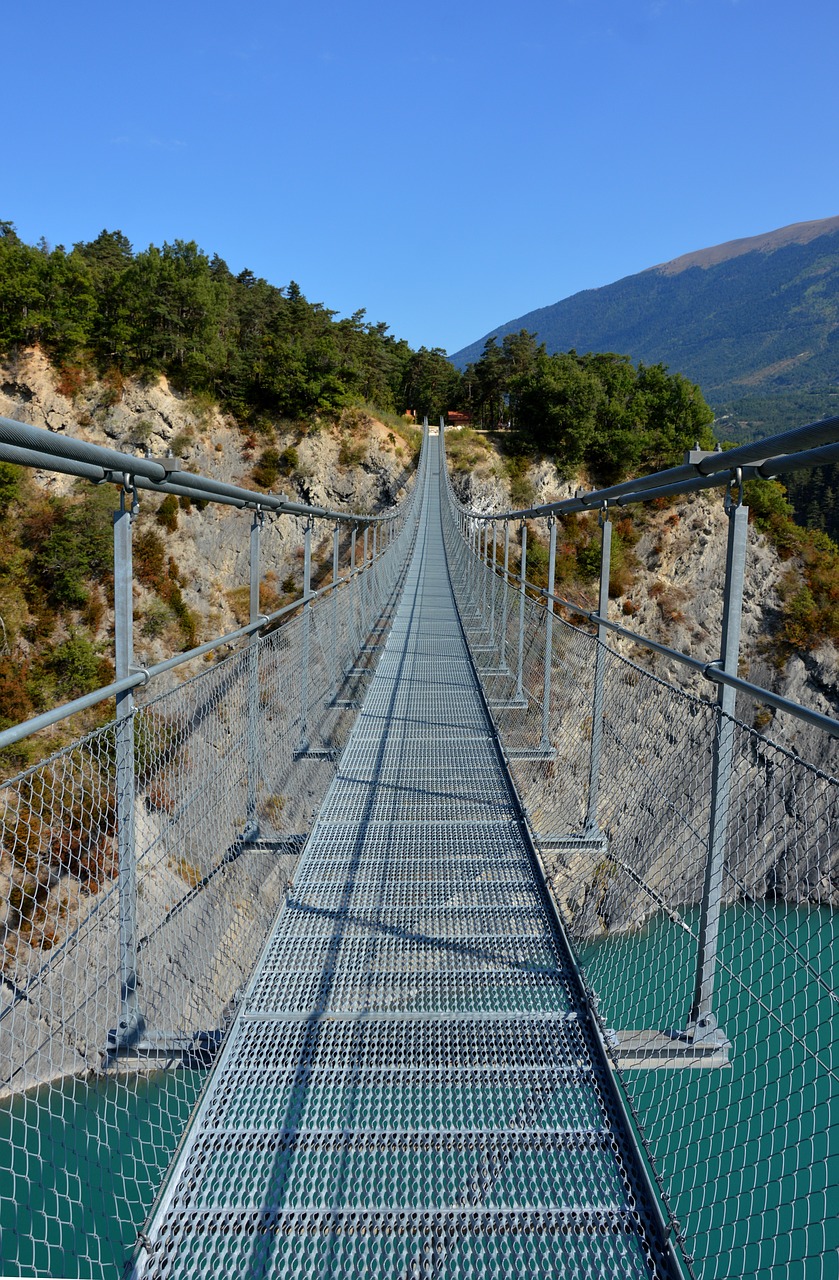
(413, 1086)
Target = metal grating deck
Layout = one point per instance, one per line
(412, 1086)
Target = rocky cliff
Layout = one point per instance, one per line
(360, 464)
(672, 593)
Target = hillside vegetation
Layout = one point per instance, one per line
(289, 392)
(266, 354)
(751, 322)
(102, 310)
(497, 470)
(190, 558)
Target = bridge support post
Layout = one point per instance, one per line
(702, 1023)
(365, 589)
(333, 655)
(591, 827)
(130, 1024)
(545, 744)
(303, 745)
(505, 606)
(253, 671)
(522, 581)
(484, 571)
(356, 643)
(493, 584)
(474, 547)
(375, 584)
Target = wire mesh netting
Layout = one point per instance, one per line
(412, 1082)
(744, 1140)
(127, 934)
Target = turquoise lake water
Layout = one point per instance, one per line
(750, 1153)
(77, 1158)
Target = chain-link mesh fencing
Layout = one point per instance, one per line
(740, 1126)
(127, 934)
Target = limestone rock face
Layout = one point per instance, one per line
(656, 770)
(676, 598)
(210, 548)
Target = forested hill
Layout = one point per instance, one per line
(102, 309)
(755, 323)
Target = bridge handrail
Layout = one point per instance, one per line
(690, 856)
(25, 445)
(724, 469)
(29, 446)
(808, 446)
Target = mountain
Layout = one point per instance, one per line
(755, 322)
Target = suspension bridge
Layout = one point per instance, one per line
(434, 939)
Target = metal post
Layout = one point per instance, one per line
(494, 584)
(365, 589)
(130, 1024)
(484, 563)
(702, 1024)
(333, 655)
(522, 580)
(545, 744)
(253, 673)
(354, 597)
(303, 745)
(502, 652)
(591, 827)
(375, 581)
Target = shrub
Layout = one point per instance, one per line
(181, 442)
(810, 589)
(75, 665)
(156, 619)
(351, 453)
(289, 460)
(113, 387)
(71, 380)
(143, 430)
(73, 542)
(167, 513)
(267, 470)
(149, 554)
(10, 488)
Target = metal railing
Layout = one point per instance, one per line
(694, 862)
(143, 864)
(692, 858)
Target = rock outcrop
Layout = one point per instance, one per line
(209, 547)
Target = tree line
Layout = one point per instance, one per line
(258, 349)
(267, 352)
(596, 410)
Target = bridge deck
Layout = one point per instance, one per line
(412, 1087)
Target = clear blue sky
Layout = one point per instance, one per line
(447, 166)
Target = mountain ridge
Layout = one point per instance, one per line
(758, 316)
(765, 242)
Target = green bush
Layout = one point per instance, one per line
(810, 590)
(75, 664)
(149, 556)
(167, 513)
(10, 477)
(289, 460)
(266, 471)
(72, 542)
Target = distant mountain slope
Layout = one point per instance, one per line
(749, 320)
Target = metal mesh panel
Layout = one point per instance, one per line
(228, 771)
(411, 1082)
(746, 1146)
